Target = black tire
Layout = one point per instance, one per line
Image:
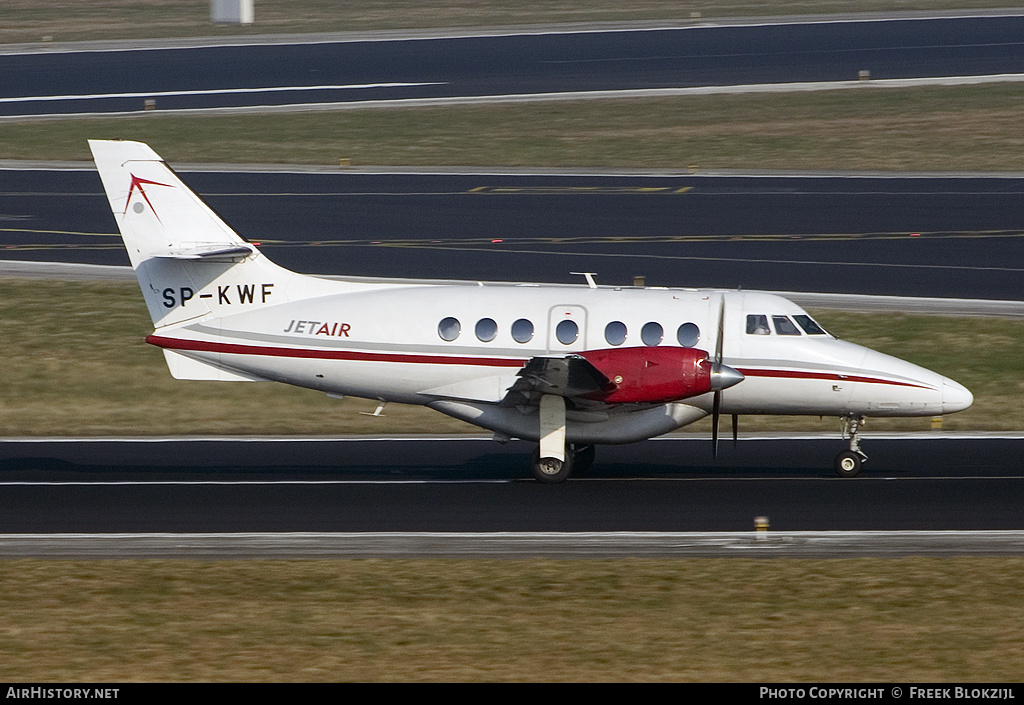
(848, 464)
(549, 470)
(582, 457)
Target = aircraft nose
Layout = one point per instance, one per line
(955, 397)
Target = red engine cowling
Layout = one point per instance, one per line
(650, 374)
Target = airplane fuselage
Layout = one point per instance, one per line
(464, 344)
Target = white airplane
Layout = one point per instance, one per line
(567, 366)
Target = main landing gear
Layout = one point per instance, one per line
(550, 470)
(554, 458)
(849, 462)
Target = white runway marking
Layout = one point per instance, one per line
(189, 483)
(213, 91)
(322, 545)
(395, 482)
(557, 96)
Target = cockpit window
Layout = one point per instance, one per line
(784, 326)
(757, 324)
(809, 326)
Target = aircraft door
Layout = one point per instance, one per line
(567, 329)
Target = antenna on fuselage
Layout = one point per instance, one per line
(589, 276)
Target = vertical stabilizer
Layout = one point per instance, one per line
(157, 214)
(189, 263)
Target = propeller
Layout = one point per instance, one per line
(722, 377)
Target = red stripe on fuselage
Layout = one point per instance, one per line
(308, 353)
(235, 349)
(828, 376)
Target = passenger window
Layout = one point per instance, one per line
(522, 331)
(652, 333)
(809, 326)
(615, 333)
(449, 328)
(486, 330)
(567, 331)
(757, 324)
(688, 335)
(784, 326)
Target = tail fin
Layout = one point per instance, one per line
(157, 214)
(177, 245)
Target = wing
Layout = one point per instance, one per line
(572, 377)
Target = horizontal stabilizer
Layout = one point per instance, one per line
(209, 252)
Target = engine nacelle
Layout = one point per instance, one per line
(650, 374)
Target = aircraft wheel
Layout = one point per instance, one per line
(583, 457)
(550, 470)
(848, 464)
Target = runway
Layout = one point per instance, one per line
(952, 236)
(924, 482)
(509, 64)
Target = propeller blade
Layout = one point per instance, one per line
(714, 423)
(720, 334)
(716, 369)
(735, 429)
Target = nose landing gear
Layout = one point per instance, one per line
(849, 462)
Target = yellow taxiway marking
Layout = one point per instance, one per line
(57, 232)
(579, 190)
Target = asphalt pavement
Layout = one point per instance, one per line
(952, 236)
(544, 63)
(922, 482)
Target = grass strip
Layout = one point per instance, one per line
(76, 363)
(957, 128)
(42, 20)
(913, 620)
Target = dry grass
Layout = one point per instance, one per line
(952, 128)
(32, 20)
(736, 620)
